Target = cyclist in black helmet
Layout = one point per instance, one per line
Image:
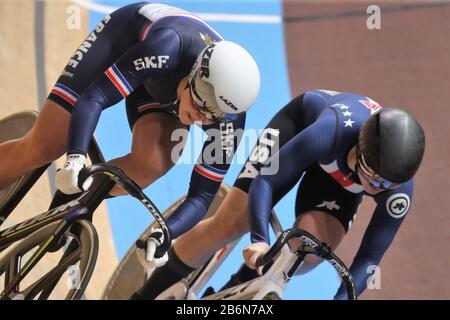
(367, 150)
(390, 148)
(342, 146)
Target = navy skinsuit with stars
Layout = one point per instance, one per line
(322, 127)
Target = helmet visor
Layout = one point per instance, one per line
(213, 112)
(371, 177)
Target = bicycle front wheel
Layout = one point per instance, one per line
(60, 274)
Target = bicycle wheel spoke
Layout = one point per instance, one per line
(12, 270)
(48, 282)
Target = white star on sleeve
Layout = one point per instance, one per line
(349, 123)
(347, 113)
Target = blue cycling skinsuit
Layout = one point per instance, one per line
(141, 52)
(316, 132)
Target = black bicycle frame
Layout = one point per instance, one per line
(12, 234)
(88, 200)
(81, 208)
(95, 155)
(12, 202)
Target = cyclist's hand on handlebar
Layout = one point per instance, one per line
(67, 177)
(252, 252)
(153, 258)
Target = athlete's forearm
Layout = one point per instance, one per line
(260, 207)
(361, 270)
(189, 213)
(84, 119)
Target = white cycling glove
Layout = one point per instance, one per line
(67, 177)
(147, 256)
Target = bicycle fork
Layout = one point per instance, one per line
(277, 277)
(76, 213)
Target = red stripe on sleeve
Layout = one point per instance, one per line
(207, 175)
(115, 82)
(64, 96)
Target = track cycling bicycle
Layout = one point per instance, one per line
(281, 261)
(66, 227)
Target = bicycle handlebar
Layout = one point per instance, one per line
(134, 190)
(318, 248)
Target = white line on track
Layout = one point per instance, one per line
(99, 8)
(210, 17)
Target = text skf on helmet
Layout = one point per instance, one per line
(224, 81)
(390, 147)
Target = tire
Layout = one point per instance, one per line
(82, 248)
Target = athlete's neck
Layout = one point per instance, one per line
(182, 85)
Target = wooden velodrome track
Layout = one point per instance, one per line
(405, 64)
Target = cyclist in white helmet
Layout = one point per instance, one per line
(173, 70)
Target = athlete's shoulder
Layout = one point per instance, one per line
(157, 11)
(351, 109)
(345, 111)
(186, 23)
(330, 97)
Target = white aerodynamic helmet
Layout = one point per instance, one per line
(224, 81)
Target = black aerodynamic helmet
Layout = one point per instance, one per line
(392, 144)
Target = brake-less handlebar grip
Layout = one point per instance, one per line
(260, 261)
(82, 176)
(141, 244)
